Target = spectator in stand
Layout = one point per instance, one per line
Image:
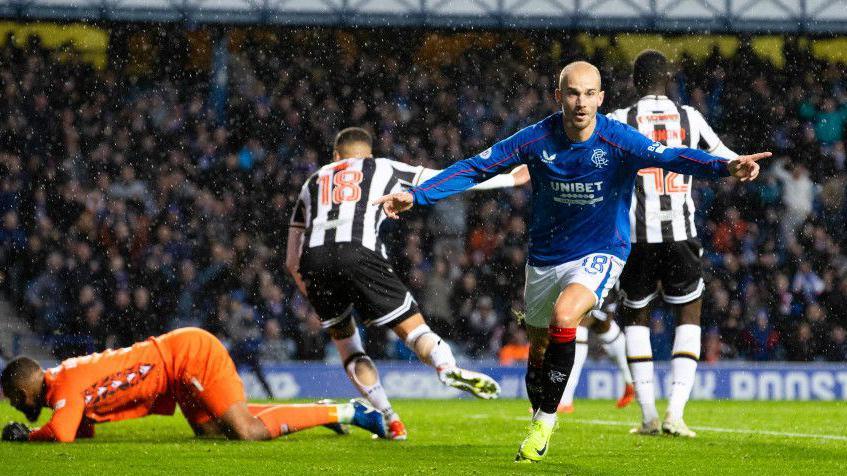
(275, 348)
(145, 320)
(482, 324)
(243, 332)
(760, 339)
(730, 232)
(797, 195)
(121, 323)
(435, 298)
(801, 347)
(807, 284)
(13, 241)
(836, 348)
(828, 117)
(44, 295)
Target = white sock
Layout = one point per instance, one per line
(686, 353)
(375, 393)
(614, 343)
(578, 361)
(640, 357)
(430, 348)
(345, 412)
(351, 351)
(548, 418)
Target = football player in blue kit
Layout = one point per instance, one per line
(583, 167)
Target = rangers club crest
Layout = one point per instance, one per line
(598, 158)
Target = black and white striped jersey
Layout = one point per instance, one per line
(334, 205)
(662, 209)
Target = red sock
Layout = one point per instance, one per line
(285, 419)
(562, 334)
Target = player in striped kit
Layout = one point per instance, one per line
(339, 262)
(665, 251)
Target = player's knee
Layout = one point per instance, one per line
(410, 328)
(566, 318)
(421, 340)
(237, 423)
(642, 317)
(635, 317)
(342, 330)
(689, 313)
(249, 430)
(568, 314)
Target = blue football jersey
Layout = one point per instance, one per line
(581, 191)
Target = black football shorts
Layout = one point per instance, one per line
(341, 279)
(674, 266)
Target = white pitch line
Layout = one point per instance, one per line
(699, 428)
(725, 430)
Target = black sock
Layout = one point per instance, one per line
(534, 385)
(558, 363)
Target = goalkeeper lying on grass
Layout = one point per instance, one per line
(187, 367)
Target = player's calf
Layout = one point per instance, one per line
(686, 354)
(278, 420)
(432, 350)
(361, 369)
(640, 358)
(538, 339)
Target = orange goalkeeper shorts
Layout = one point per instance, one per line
(205, 382)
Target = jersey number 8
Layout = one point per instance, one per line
(344, 187)
(597, 264)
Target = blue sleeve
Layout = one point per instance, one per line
(466, 173)
(640, 152)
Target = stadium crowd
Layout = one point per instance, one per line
(130, 205)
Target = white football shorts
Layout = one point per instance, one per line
(598, 272)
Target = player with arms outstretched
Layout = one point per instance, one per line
(187, 367)
(665, 251)
(338, 261)
(583, 167)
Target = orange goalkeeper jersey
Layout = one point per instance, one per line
(113, 385)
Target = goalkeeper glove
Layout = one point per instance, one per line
(16, 432)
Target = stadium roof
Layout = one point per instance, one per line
(813, 16)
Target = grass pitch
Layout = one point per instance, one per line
(470, 437)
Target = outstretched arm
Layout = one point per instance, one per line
(462, 175)
(516, 178)
(643, 153)
(64, 424)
